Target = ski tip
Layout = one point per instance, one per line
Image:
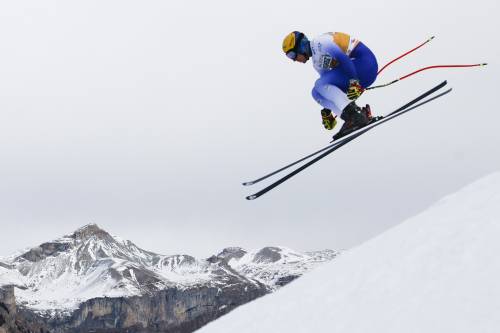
(252, 197)
(248, 183)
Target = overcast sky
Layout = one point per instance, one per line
(146, 116)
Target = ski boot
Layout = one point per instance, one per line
(329, 120)
(354, 118)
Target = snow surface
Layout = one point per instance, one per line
(436, 272)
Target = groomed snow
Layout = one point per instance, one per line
(436, 272)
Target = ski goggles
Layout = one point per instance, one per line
(292, 55)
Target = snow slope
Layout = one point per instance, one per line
(436, 272)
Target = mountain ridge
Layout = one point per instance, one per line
(56, 277)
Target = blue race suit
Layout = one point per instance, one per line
(338, 58)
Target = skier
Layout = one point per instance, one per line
(346, 67)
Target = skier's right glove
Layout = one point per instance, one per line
(329, 120)
(355, 90)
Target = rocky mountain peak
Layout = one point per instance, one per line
(268, 254)
(91, 231)
(227, 254)
(66, 243)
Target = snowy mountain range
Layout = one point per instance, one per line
(56, 277)
(436, 272)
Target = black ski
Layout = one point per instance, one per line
(348, 139)
(347, 136)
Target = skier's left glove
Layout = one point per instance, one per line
(355, 89)
(329, 120)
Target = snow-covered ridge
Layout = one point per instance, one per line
(436, 272)
(56, 276)
(276, 266)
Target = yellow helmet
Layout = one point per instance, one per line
(289, 42)
(294, 43)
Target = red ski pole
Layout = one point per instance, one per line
(423, 69)
(405, 54)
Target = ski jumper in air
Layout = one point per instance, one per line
(346, 67)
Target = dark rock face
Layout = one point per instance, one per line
(168, 311)
(45, 250)
(286, 280)
(227, 254)
(4, 265)
(91, 230)
(14, 321)
(268, 254)
(7, 310)
(7, 299)
(232, 253)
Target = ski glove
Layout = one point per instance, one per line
(329, 120)
(355, 89)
